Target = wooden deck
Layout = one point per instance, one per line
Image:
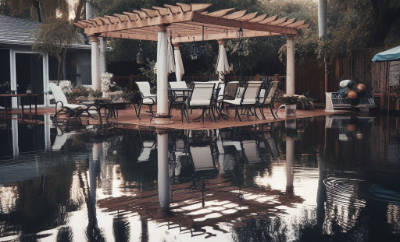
(128, 119)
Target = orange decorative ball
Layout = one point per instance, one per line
(352, 94)
(361, 87)
(351, 127)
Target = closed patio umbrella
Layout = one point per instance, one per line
(170, 60)
(179, 70)
(222, 62)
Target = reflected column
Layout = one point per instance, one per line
(93, 173)
(15, 137)
(290, 156)
(163, 170)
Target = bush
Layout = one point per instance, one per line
(77, 93)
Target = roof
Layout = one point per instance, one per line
(19, 31)
(388, 55)
(189, 22)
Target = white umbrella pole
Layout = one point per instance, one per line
(179, 70)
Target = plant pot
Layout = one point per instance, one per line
(290, 110)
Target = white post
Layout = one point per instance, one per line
(322, 9)
(103, 66)
(46, 78)
(290, 154)
(162, 77)
(13, 77)
(96, 84)
(163, 170)
(290, 63)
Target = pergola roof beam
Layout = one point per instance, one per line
(245, 25)
(221, 12)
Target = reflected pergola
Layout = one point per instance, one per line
(194, 209)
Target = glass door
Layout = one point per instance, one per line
(29, 75)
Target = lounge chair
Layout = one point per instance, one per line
(62, 105)
(246, 98)
(148, 146)
(148, 98)
(201, 97)
(268, 100)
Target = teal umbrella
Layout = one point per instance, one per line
(388, 55)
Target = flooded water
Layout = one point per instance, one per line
(333, 179)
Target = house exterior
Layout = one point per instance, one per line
(23, 69)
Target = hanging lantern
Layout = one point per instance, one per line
(240, 47)
(194, 53)
(139, 55)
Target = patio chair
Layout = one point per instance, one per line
(62, 105)
(246, 98)
(268, 100)
(178, 97)
(200, 98)
(148, 98)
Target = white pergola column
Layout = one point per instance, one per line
(94, 42)
(290, 63)
(163, 170)
(103, 66)
(162, 77)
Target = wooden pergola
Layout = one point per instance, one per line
(187, 23)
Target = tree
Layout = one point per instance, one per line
(54, 39)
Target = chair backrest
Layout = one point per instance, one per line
(58, 94)
(178, 84)
(271, 93)
(230, 90)
(144, 88)
(251, 92)
(202, 93)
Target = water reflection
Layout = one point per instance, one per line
(308, 180)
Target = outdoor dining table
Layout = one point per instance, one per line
(21, 97)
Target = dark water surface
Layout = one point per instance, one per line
(320, 179)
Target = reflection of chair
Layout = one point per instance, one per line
(251, 151)
(61, 139)
(202, 158)
(227, 154)
(148, 146)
